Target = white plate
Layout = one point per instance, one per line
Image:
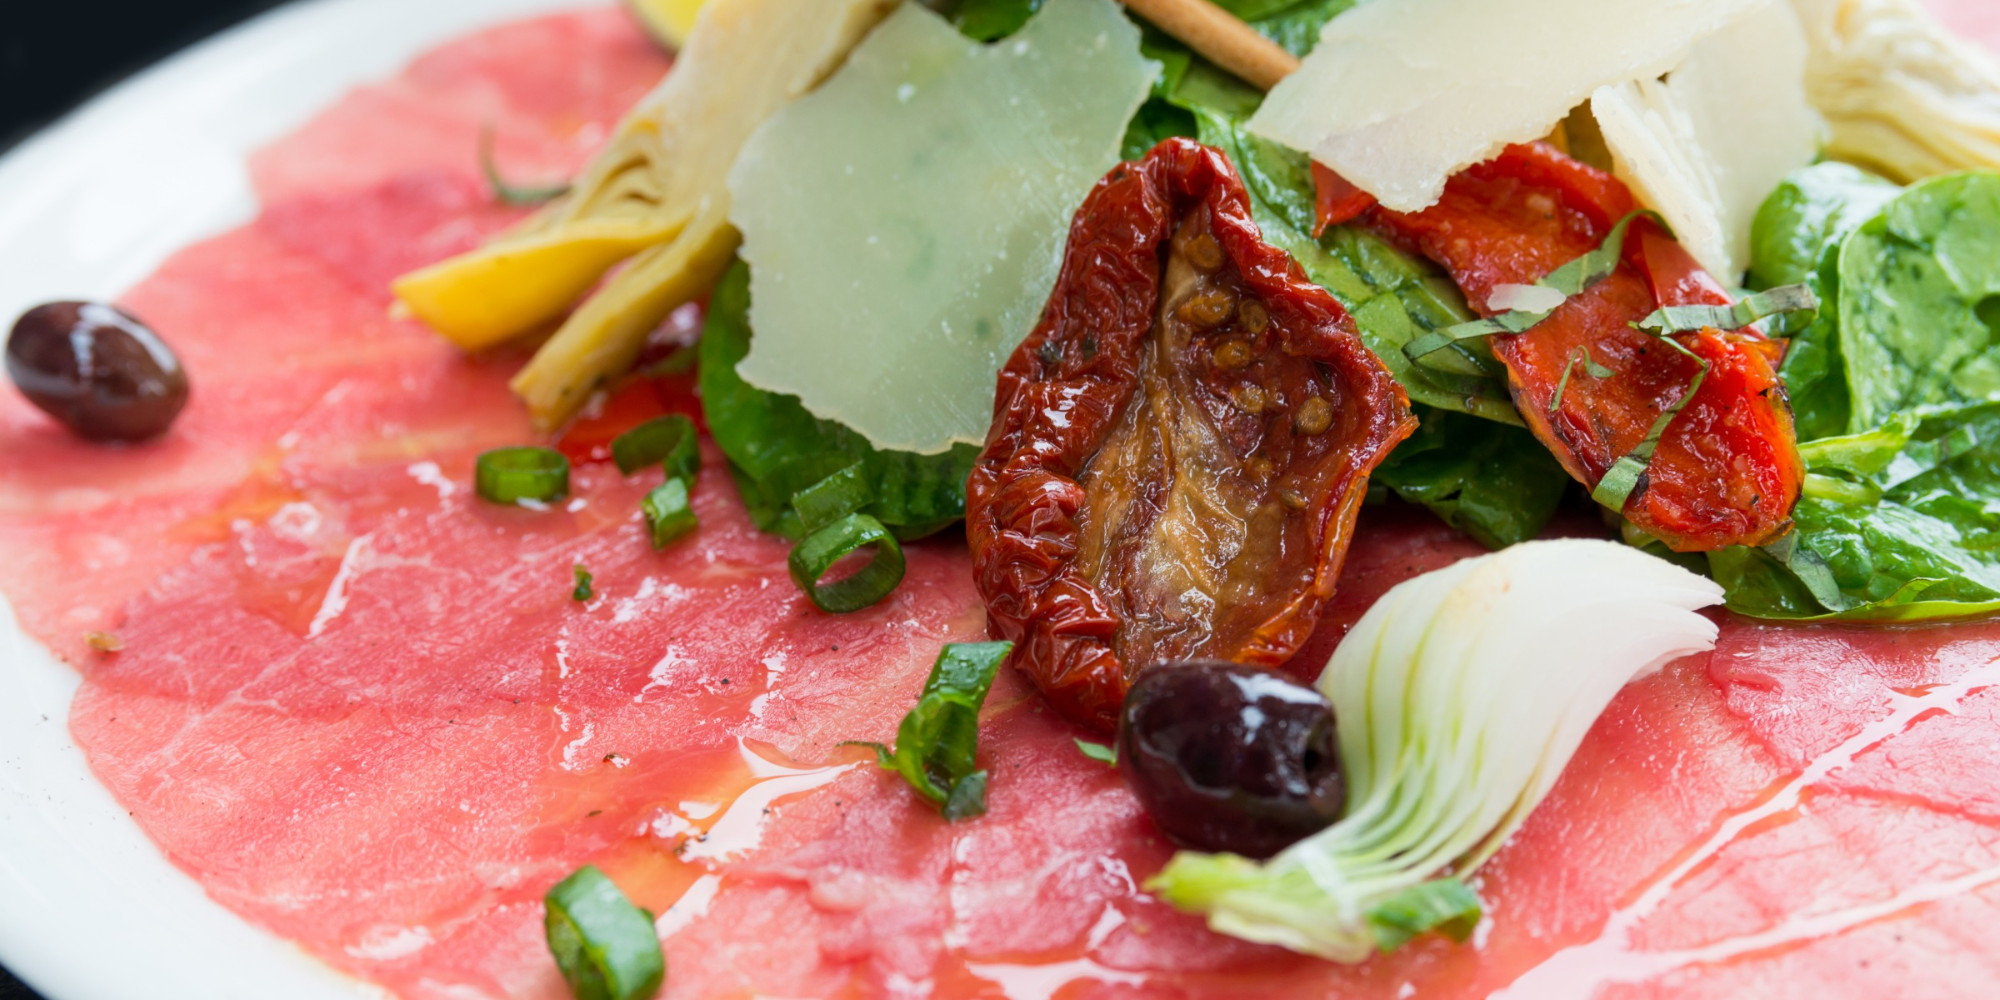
(89, 909)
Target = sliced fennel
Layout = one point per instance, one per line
(1460, 697)
(656, 195)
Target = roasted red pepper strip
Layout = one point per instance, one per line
(1179, 449)
(1727, 470)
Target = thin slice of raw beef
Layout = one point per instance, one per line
(362, 709)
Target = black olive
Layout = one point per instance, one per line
(1230, 758)
(97, 369)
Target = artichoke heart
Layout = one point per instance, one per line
(656, 196)
(1904, 97)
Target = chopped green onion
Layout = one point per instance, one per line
(834, 497)
(669, 514)
(606, 948)
(1624, 477)
(583, 591)
(1570, 279)
(1590, 366)
(1098, 752)
(816, 554)
(1444, 905)
(937, 743)
(507, 193)
(668, 441)
(1761, 306)
(512, 475)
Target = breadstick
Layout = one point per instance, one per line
(1222, 37)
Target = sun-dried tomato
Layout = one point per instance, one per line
(1179, 449)
(1727, 470)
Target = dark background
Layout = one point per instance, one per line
(55, 55)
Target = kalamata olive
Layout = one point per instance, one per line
(97, 369)
(1230, 758)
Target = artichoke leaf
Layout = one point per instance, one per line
(656, 196)
(1903, 96)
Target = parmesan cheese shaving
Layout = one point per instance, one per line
(1904, 97)
(905, 222)
(1398, 96)
(1704, 146)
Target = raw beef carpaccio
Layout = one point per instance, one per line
(363, 710)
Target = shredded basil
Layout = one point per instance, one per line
(582, 591)
(938, 741)
(1590, 367)
(1789, 299)
(605, 947)
(521, 475)
(1569, 280)
(1625, 475)
(1444, 905)
(508, 193)
(1098, 752)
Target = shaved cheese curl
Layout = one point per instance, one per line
(1460, 696)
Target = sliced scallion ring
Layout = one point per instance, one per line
(668, 440)
(834, 497)
(511, 475)
(816, 554)
(669, 514)
(606, 948)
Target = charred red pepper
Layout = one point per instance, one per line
(1726, 470)
(1179, 449)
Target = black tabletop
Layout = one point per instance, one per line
(54, 56)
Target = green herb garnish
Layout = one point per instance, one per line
(669, 441)
(669, 513)
(583, 578)
(1590, 366)
(1761, 306)
(1624, 476)
(816, 553)
(606, 948)
(1098, 752)
(1444, 905)
(782, 457)
(937, 744)
(516, 475)
(507, 193)
(1571, 279)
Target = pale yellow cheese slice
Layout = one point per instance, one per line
(1705, 146)
(904, 222)
(1401, 94)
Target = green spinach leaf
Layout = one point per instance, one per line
(778, 450)
(1491, 481)
(1896, 388)
(1919, 283)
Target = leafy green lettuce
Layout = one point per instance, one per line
(1897, 390)
(778, 450)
